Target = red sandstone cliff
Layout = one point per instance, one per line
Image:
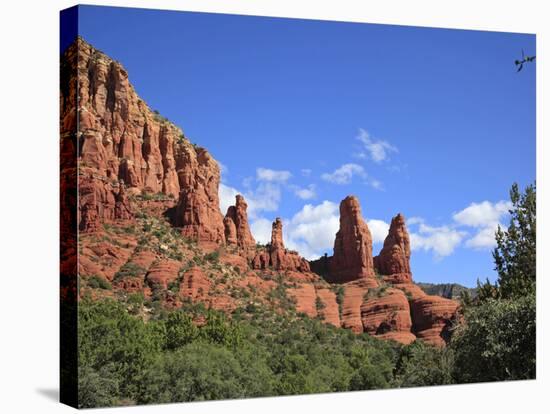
(121, 140)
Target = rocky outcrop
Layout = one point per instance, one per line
(162, 274)
(101, 201)
(195, 284)
(433, 316)
(237, 230)
(275, 256)
(352, 259)
(389, 305)
(394, 258)
(388, 316)
(121, 138)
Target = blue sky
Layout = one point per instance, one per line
(433, 123)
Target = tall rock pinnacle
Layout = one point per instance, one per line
(394, 258)
(353, 245)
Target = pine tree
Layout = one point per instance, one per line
(515, 254)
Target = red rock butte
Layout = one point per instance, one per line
(132, 161)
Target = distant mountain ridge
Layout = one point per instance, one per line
(447, 290)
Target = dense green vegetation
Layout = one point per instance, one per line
(497, 340)
(125, 360)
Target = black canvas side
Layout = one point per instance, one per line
(68, 207)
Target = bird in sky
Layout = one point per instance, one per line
(524, 59)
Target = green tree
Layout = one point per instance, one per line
(497, 342)
(180, 330)
(515, 254)
(421, 365)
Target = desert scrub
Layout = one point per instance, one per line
(97, 282)
(129, 269)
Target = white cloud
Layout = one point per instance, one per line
(374, 183)
(414, 220)
(261, 230)
(379, 230)
(484, 238)
(377, 150)
(344, 174)
(306, 172)
(227, 197)
(311, 231)
(265, 174)
(266, 197)
(485, 217)
(305, 193)
(482, 214)
(441, 240)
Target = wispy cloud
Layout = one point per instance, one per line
(266, 174)
(345, 174)
(305, 193)
(377, 150)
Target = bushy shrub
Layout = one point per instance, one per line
(97, 282)
(421, 365)
(497, 341)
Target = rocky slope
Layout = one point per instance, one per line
(150, 225)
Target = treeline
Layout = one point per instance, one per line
(497, 340)
(128, 356)
(124, 360)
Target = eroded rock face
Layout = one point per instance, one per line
(352, 259)
(394, 258)
(433, 316)
(275, 256)
(162, 274)
(237, 230)
(388, 317)
(195, 284)
(101, 200)
(121, 138)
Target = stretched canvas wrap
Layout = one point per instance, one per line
(256, 206)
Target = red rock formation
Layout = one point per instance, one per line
(195, 284)
(162, 274)
(276, 256)
(237, 230)
(388, 316)
(352, 259)
(305, 298)
(329, 307)
(230, 230)
(354, 293)
(432, 317)
(277, 235)
(121, 138)
(394, 258)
